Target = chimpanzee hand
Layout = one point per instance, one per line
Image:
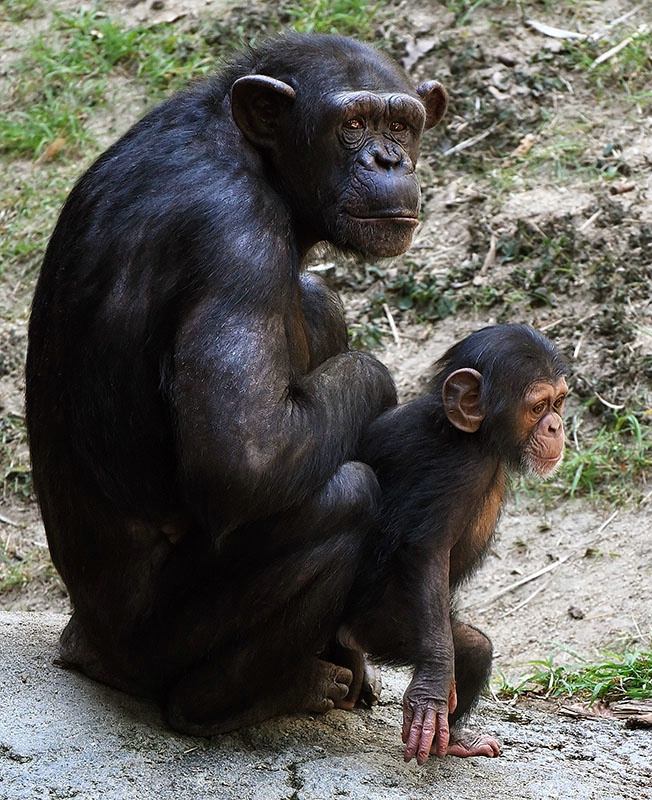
(425, 719)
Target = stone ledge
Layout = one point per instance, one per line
(63, 736)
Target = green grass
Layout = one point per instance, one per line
(366, 335)
(346, 17)
(619, 677)
(557, 160)
(621, 451)
(464, 9)
(429, 295)
(63, 75)
(18, 570)
(30, 207)
(15, 472)
(20, 10)
(627, 70)
(14, 572)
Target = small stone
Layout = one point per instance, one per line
(507, 59)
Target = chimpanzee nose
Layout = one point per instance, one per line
(554, 423)
(383, 155)
(387, 155)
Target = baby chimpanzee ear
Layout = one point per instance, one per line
(461, 396)
(257, 102)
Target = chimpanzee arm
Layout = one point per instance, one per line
(324, 319)
(256, 435)
(412, 623)
(430, 697)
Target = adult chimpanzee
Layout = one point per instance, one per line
(192, 405)
(442, 460)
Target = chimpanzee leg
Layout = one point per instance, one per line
(473, 654)
(287, 609)
(233, 690)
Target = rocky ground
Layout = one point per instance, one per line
(62, 736)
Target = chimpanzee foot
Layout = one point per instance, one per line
(77, 652)
(366, 685)
(201, 703)
(465, 743)
(372, 684)
(329, 684)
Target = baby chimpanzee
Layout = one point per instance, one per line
(442, 460)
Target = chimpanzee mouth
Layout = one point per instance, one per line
(543, 467)
(382, 234)
(385, 218)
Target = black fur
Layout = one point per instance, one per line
(192, 404)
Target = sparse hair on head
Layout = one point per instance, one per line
(512, 354)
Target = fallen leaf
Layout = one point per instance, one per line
(555, 33)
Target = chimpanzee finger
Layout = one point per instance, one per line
(452, 697)
(422, 730)
(414, 734)
(428, 731)
(443, 734)
(408, 718)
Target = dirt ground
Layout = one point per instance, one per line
(558, 246)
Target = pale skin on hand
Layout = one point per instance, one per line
(426, 729)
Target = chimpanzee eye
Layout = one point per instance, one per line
(397, 127)
(559, 402)
(355, 124)
(539, 408)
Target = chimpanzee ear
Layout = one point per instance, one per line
(461, 395)
(256, 104)
(435, 99)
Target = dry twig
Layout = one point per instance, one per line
(612, 52)
(522, 582)
(491, 255)
(468, 142)
(588, 222)
(392, 324)
(594, 37)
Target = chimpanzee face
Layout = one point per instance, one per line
(346, 161)
(374, 193)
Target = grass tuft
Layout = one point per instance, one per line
(620, 677)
